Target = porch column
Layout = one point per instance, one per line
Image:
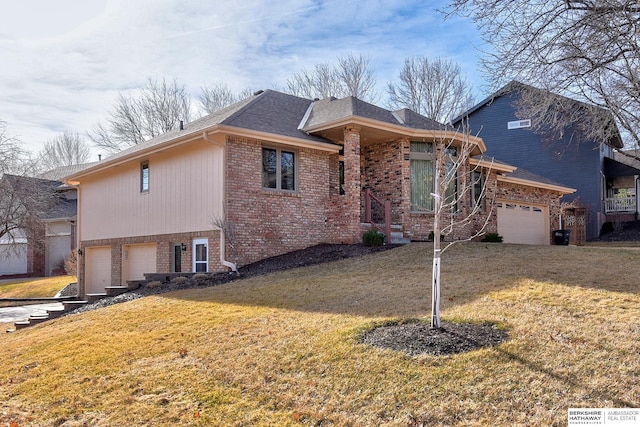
(352, 184)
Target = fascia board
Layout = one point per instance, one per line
(399, 129)
(502, 167)
(195, 135)
(536, 184)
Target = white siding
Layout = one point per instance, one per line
(186, 190)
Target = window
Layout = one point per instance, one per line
(476, 189)
(144, 177)
(341, 172)
(518, 124)
(422, 162)
(278, 169)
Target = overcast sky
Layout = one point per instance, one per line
(63, 62)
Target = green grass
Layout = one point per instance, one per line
(34, 287)
(282, 349)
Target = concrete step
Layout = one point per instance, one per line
(95, 297)
(113, 291)
(72, 305)
(34, 320)
(56, 312)
(397, 238)
(21, 324)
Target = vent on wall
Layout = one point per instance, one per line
(517, 124)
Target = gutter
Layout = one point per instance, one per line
(223, 245)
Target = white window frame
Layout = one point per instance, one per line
(519, 124)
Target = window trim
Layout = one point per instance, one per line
(279, 151)
(144, 166)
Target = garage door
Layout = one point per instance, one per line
(58, 248)
(137, 260)
(97, 269)
(13, 258)
(523, 223)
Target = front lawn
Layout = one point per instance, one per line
(38, 287)
(283, 349)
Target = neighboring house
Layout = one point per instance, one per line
(606, 186)
(40, 247)
(280, 173)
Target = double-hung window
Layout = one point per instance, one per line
(278, 169)
(422, 158)
(422, 165)
(476, 189)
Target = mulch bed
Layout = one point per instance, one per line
(417, 337)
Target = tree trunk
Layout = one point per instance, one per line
(435, 276)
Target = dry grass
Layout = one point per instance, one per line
(283, 349)
(34, 287)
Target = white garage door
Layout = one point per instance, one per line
(137, 260)
(523, 223)
(97, 269)
(13, 258)
(58, 248)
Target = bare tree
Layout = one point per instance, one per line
(434, 88)
(586, 50)
(24, 202)
(64, 150)
(214, 98)
(12, 156)
(155, 109)
(454, 179)
(351, 77)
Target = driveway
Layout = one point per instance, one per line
(15, 314)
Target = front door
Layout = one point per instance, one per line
(176, 258)
(200, 256)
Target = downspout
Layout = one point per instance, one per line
(636, 181)
(223, 245)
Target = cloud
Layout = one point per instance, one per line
(65, 62)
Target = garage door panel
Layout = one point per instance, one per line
(97, 269)
(138, 260)
(13, 258)
(523, 223)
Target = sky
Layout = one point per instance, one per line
(64, 62)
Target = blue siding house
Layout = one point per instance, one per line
(605, 186)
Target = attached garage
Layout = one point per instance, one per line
(13, 258)
(523, 223)
(137, 260)
(97, 269)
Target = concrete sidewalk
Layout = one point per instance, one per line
(16, 314)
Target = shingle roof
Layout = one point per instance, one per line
(332, 109)
(60, 172)
(520, 173)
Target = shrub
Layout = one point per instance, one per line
(492, 237)
(373, 238)
(71, 263)
(431, 234)
(154, 284)
(180, 280)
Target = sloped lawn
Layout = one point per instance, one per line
(285, 349)
(38, 287)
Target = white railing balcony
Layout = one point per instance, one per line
(620, 204)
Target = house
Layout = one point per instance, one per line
(606, 186)
(38, 222)
(276, 173)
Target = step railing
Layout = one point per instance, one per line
(369, 200)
